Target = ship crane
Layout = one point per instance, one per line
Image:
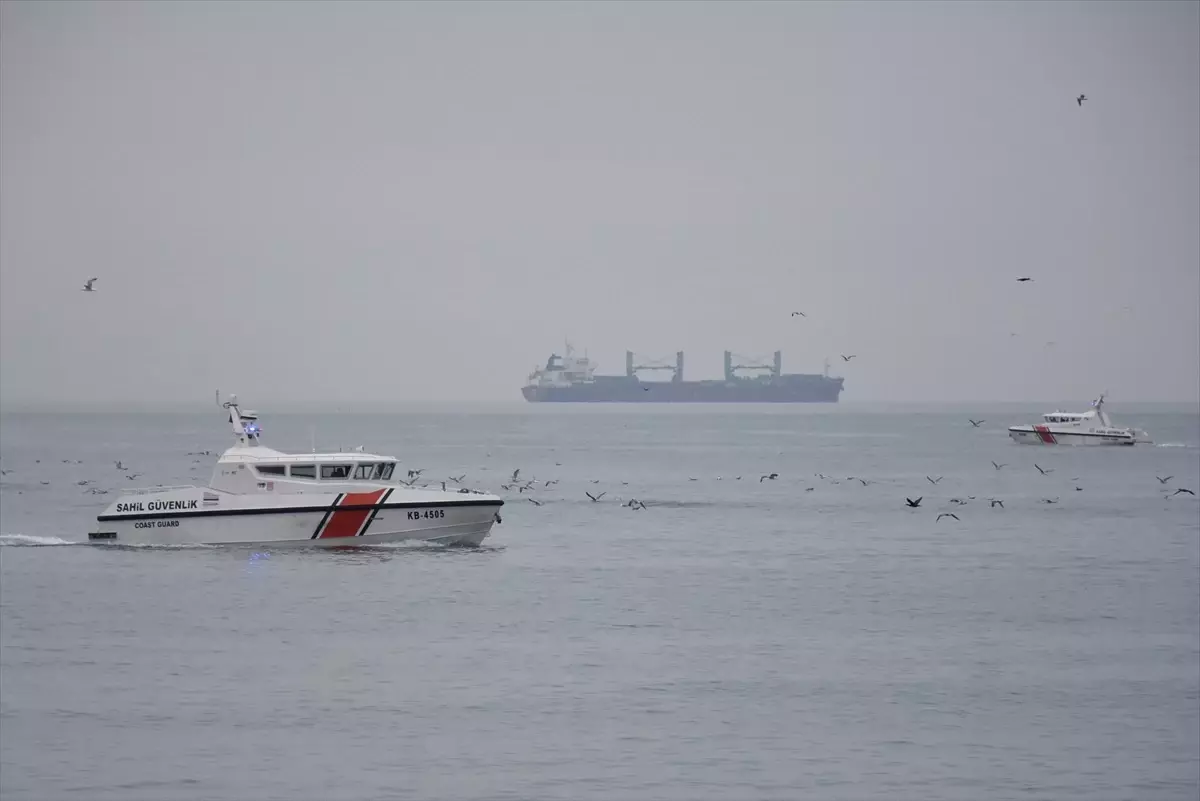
(775, 369)
(631, 369)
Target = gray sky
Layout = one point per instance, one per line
(372, 201)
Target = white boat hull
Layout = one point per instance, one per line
(197, 516)
(1045, 435)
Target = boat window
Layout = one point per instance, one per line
(335, 471)
(378, 474)
(270, 469)
(303, 471)
(364, 471)
(387, 471)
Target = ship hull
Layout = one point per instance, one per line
(185, 517)
(819, 390)
(1043, 435)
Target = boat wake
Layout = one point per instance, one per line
(416, 546)
(30, 541)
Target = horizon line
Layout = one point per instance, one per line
(29, 405)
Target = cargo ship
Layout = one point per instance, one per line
(572, 378)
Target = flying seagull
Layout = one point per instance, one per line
(1164, 480)
(997, 466)
(913, 504)
(947, 514)
(535, 503)
(933, 480)
(976, 423)
(1181, 489)
(595, 498)
(1019, 280)
(88, 286)
(1080, 99)
(802, 314)
(997, 502)
(1043, 471)
(769, 477)
(846, 358)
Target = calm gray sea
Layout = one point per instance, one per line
(806, 637)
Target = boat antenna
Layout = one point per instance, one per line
(218, 397)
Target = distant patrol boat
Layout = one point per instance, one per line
(1077, 428)
(260, 496)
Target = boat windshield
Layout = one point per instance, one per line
(374, 471)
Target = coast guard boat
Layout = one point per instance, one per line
(1077, 428)
(261, 496)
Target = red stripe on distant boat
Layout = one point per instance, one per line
(346, 523)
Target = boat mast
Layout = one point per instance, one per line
(244, 424)
(1100, 413)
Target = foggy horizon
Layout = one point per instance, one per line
(366, 203)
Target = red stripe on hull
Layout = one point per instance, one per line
(347, 523)
(1045, 434)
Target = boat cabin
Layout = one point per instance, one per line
(249, 466)
(325, 468)
(1067, 418)
(259, 469)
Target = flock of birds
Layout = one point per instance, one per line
(532, 485)
(89, 484)
(525, 488)
(521, 486)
